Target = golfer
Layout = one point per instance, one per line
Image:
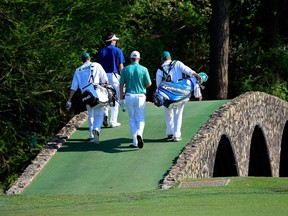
(112, 60)
(136, 79)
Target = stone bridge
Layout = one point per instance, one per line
(247, 136)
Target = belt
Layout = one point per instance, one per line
(138, 95)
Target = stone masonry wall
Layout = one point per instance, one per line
(236, 120)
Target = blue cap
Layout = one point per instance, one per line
(85, 56)
(165, 54)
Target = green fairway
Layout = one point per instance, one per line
(111, 179)
(81, 167)
(241, 197)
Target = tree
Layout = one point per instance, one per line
(219, 45)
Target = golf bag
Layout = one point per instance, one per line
(94, 95)
(173, 95)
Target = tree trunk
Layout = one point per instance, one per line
(219, 46)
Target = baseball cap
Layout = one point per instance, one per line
(165, 54)
(85, 56)
(135, 54)
(112, 38)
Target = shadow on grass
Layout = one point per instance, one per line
(109, 146)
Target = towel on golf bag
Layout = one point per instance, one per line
(172, 95)
(94, 95)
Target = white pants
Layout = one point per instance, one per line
(136, 104)
(114, 81)
(95, 118)
(173, 119)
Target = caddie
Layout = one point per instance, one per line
(89, 73)
(174, 71)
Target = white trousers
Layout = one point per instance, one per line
(95, 118)
(136, 104)
(173, 119)
(114, 81)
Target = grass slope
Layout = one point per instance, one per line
(81, 167)
(242, 196)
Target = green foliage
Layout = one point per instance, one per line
(258, 69)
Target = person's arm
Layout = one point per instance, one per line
(121, 91)
(121, 66)
(158, 77)
(68, 103)
(72, 92)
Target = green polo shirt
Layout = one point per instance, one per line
(135, 76)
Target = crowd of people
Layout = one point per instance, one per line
(130, 84)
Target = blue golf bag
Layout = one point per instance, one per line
(172, 95)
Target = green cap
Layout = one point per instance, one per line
(85, 56)
(165, 54)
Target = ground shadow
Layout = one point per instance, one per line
(109, 146)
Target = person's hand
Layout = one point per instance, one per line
(68, 105)
(199, 79)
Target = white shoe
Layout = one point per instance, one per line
(115, 124)
(177, 139)
(96, 136)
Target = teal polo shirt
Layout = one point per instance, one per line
(135, 76)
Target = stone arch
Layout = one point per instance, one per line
(259, 161)
(225, 164)
(283, 171)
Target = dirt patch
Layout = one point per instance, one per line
(205, 183)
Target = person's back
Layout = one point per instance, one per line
(110, 58)
(135, 76)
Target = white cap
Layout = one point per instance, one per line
(113, 38)
(135, 54)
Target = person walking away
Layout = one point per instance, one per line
(112, 60)
(89, 72)
(174, 71)
(136, 79)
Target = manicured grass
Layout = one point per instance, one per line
(81, 167)
(242, 196)
(112, 179)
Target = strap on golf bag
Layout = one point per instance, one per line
(166, 75)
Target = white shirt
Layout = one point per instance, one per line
(176, 74)
(82, 75)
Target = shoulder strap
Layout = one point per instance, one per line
(91, 78)
(166, 75)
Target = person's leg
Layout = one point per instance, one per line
(98, 114)
(140, 114)
(106, 115)
(169, 120)
(114, 110)
(90, 121)
(129, 99)
(178, 122)
(140, 118)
